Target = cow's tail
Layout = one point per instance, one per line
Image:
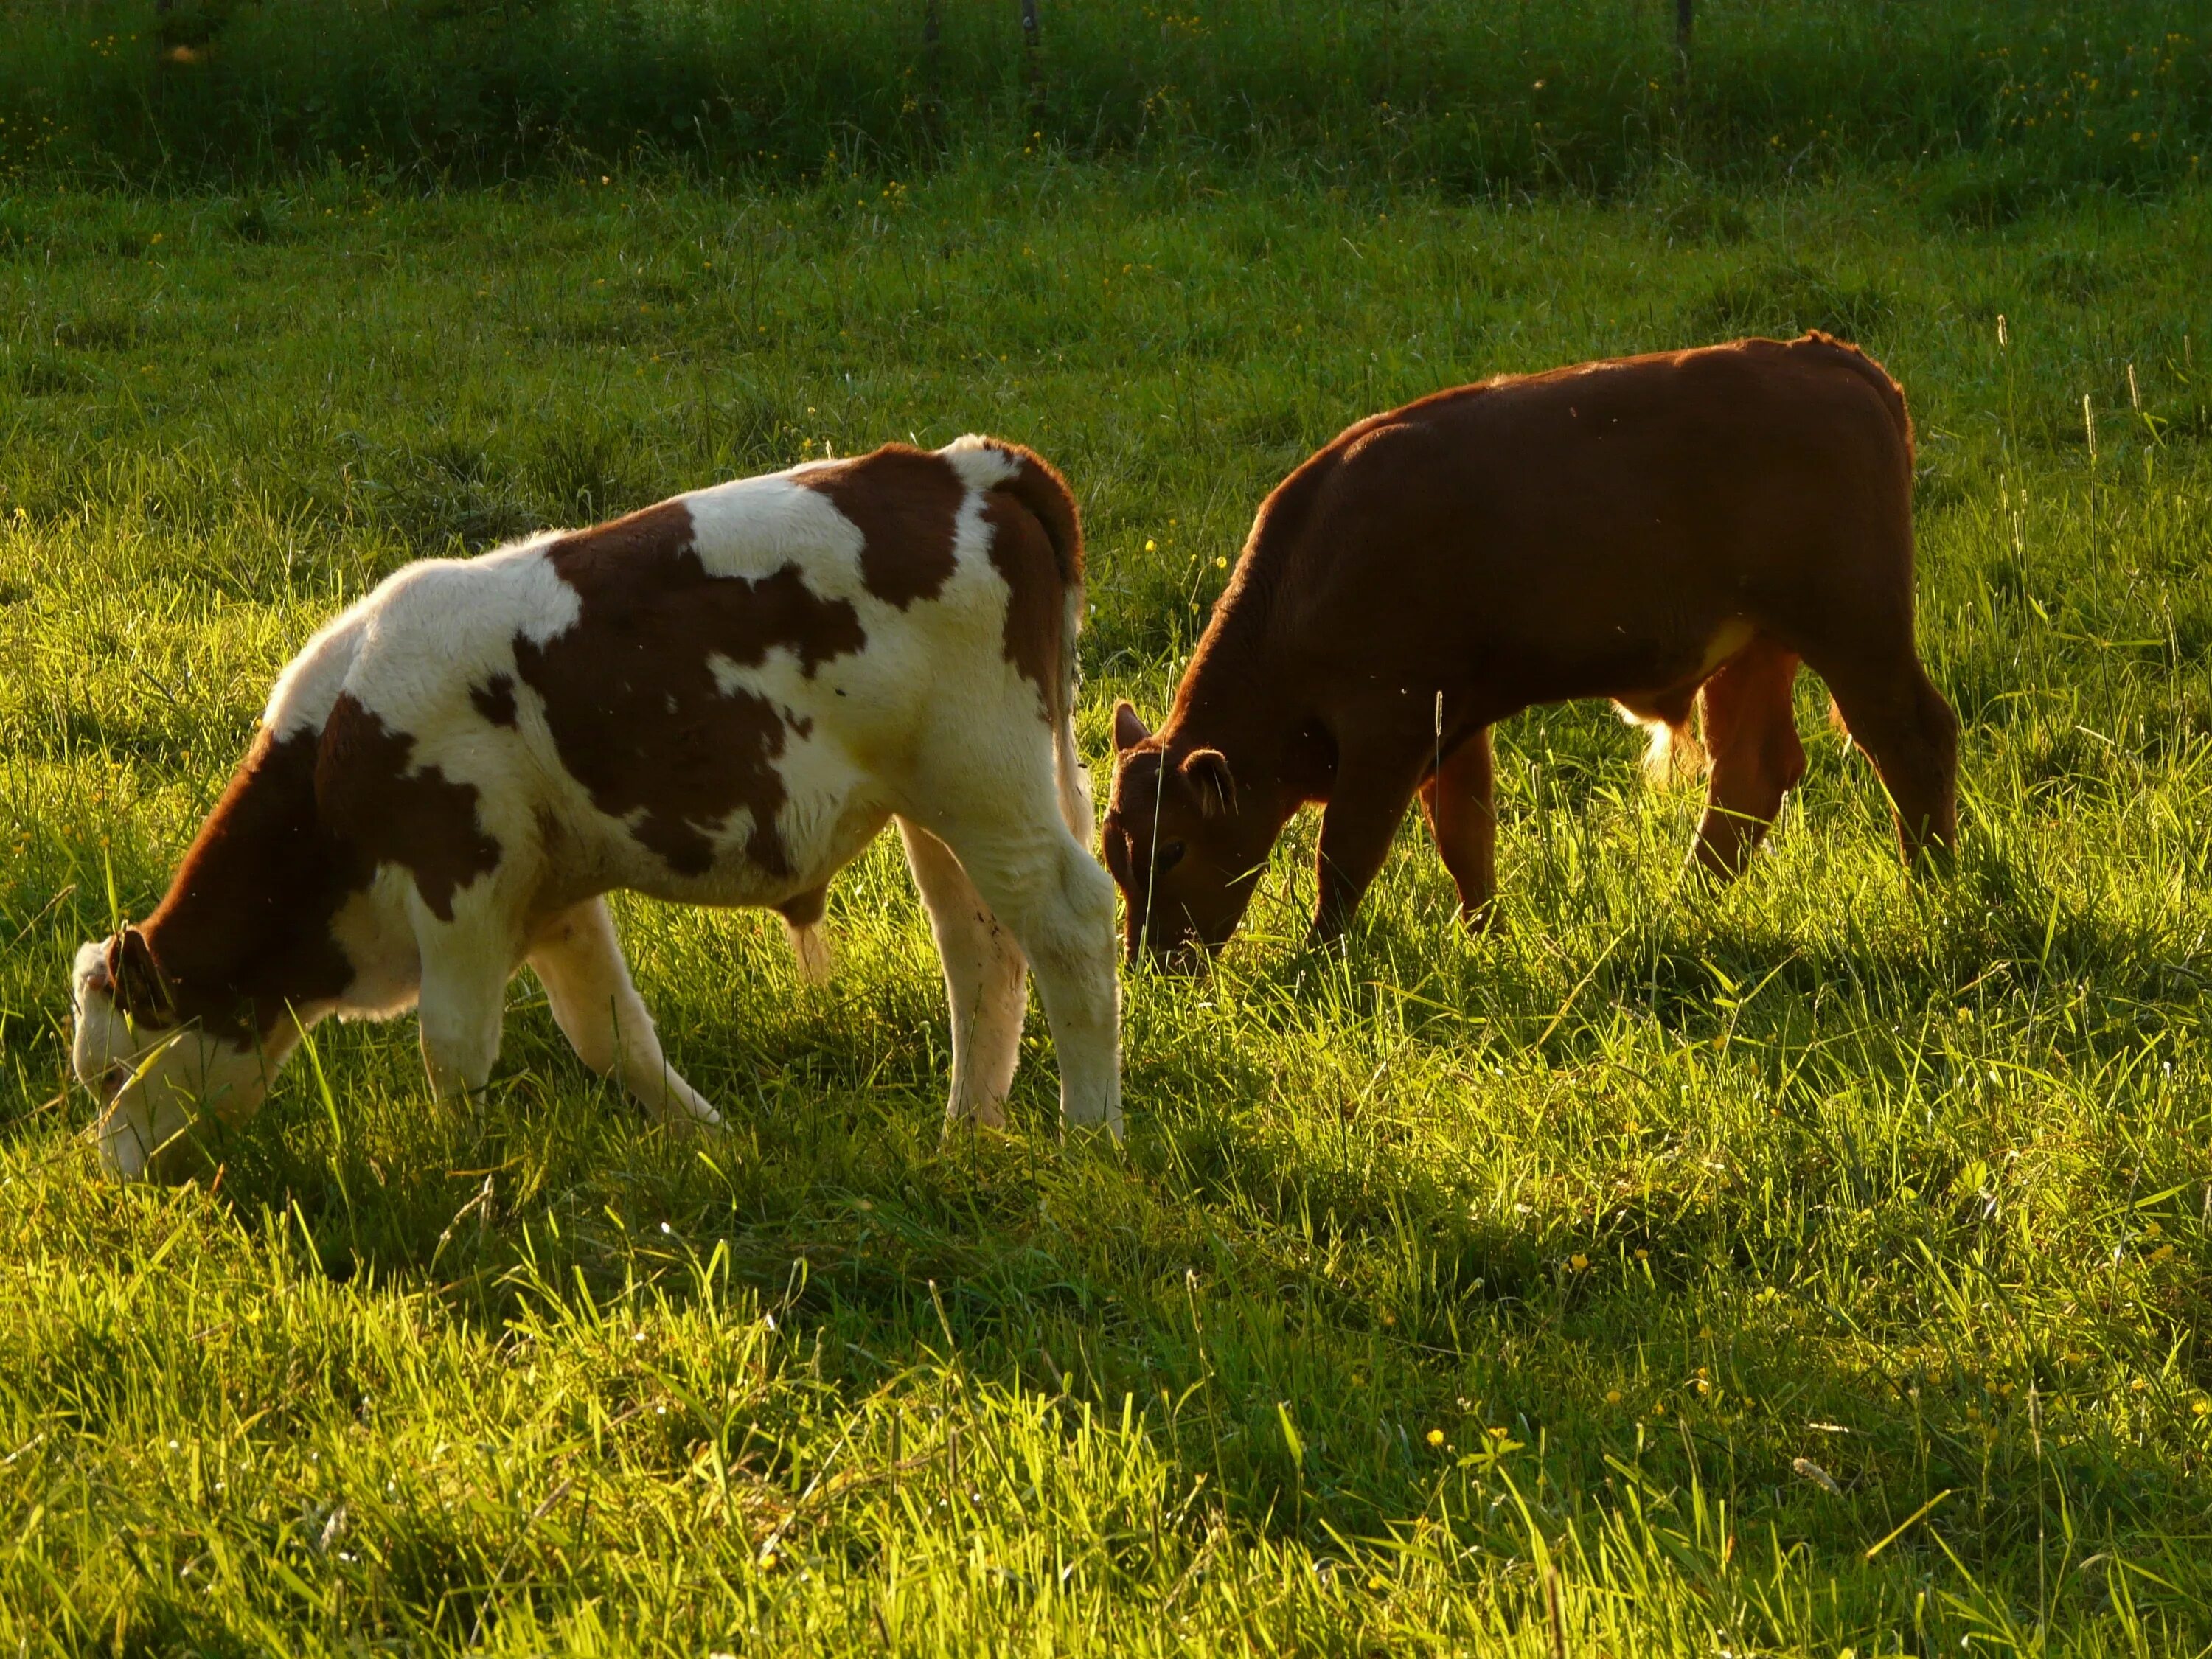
(1892, 397)
(1069, 772)
(1047, 496)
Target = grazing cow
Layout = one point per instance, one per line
(1669, 531)
(719, 700)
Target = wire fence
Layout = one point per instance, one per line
(1481, 94)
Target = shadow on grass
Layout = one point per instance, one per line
(1224, 1285)
(1290, 1336)
(1292, 1306)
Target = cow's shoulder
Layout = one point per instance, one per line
(391, 804)
(304, 692)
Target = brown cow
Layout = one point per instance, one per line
(1670, 531)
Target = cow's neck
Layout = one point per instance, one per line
(1235, 698)
(245, 929)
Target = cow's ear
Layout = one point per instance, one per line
(1206, 771)
(1129, 729)
(135, 976)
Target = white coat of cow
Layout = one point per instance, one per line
(721, 700)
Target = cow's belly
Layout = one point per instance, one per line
(813, 840)
(742, 828)
(1644, 661)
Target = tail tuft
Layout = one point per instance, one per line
(810, 952)
(1673, 754)
(1842, 727)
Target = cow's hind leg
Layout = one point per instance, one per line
(1038, 880)
(984, 983)
(1896, 714)
(1750, 734)
(1460, 802)
(580, 962)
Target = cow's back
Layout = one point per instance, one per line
(1607, 496)
(721, 697)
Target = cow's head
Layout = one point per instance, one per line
(1186, 857)
(158, 1075)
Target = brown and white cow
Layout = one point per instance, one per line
(721, 700)
(1670, 531)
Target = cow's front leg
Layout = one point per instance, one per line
(1366, 804)
(984, 981)
(1059, 904)
(580, 962)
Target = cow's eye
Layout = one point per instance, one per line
(1169, 856)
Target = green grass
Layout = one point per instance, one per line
(1449, 1294)
(2021, 100)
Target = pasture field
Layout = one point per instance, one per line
(1815, 1266)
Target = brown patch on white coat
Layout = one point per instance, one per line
(719, 699)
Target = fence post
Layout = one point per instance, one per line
(1036, 67)
(1682, 44)
(933, 108)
